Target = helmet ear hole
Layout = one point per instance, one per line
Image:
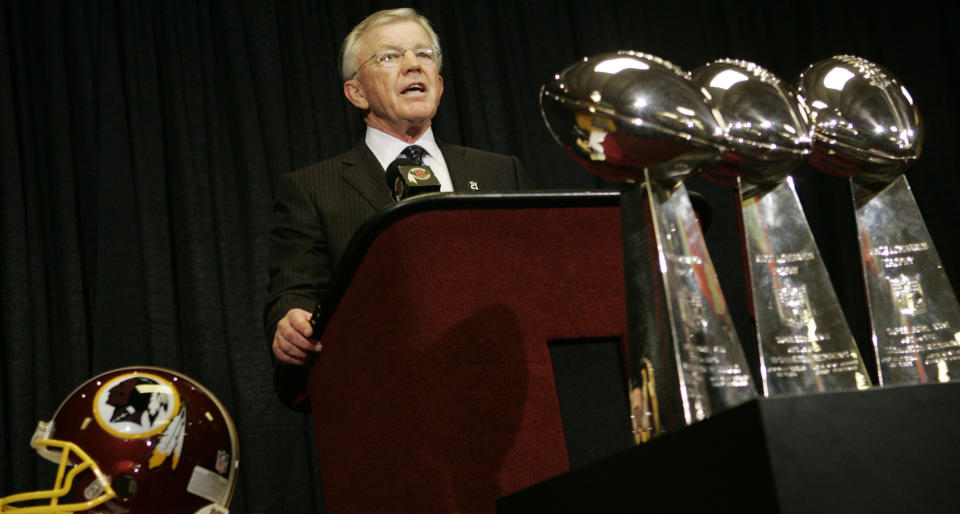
(125, 486)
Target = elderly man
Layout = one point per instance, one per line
(390, 65)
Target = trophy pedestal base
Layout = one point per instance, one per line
(879, 450)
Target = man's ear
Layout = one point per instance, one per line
(354, 93)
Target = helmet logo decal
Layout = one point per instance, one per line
(136, 405)
(171, 442)
(138, 400)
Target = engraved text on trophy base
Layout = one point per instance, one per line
(926, 341)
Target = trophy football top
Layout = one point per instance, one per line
(768, 130)
(620, 113)
(867, 124)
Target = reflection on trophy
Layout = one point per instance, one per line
(868, 129)
(805, 343)
(636, 118)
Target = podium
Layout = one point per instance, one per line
(435, 389)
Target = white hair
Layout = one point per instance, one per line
(347, 59)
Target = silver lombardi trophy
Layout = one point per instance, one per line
(635, 118)
(805, 343)
(868, 129)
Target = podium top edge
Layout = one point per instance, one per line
(373, 227)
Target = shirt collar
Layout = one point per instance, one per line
(386, 148)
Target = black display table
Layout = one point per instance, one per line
(881, 450)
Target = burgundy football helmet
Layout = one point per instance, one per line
(136, 440)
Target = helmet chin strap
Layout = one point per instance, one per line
(44, 428)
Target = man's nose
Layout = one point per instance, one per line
(411, 62)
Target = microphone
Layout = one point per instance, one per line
(406, 178)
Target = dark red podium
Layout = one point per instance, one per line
(435, 390)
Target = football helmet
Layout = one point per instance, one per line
(136, 440)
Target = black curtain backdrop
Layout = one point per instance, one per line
(140, 141)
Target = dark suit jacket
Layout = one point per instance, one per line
(319, 208)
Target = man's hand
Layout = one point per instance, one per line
(290, 343)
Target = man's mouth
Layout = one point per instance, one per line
(414, 88)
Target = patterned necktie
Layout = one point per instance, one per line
(415, 153)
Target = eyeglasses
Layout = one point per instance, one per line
(391, 58)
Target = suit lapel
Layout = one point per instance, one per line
(465, 174)
(362, 171)
(471, 174)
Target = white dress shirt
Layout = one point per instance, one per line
(387, 148)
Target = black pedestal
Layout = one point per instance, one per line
(881, 450)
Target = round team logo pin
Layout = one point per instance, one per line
(417, 174)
